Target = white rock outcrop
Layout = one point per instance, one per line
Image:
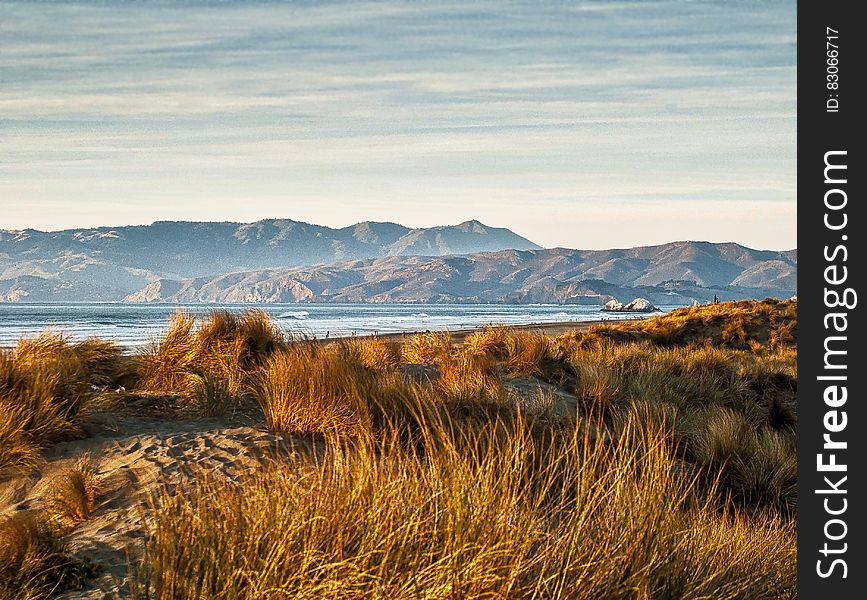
(637, 305)
(640, 305)
(613, 306)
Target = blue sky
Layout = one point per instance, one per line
(585, 124)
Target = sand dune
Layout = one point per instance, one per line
(133, 452)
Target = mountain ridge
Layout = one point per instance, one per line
(130, 257)
(370, 261)
(509, 276)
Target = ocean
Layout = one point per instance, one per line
(135, 325)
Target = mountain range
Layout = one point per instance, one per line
(280, 260)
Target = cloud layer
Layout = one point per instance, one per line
(592, 124)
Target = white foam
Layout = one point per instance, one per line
(298, 314)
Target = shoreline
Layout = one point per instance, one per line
(458, 335)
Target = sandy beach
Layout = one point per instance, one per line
(557, 328)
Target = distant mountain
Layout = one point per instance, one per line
(467, 238)
(280, 260)
(676, 273)
(109, 263)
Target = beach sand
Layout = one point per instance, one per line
(134, 446)
(556, 328)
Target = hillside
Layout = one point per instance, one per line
(675, 273)
(108, 263)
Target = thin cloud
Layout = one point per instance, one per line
(415, 112)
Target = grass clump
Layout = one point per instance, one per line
(224, 346)
(488, 341)
(599, 389)
(466, 379)
(521, 353)
(73, 495)
(34, 562)
(46, 385)
(425, 348)
(733, 411)
(309, 388)
(757, 466)
(373, 353)
(211, 396)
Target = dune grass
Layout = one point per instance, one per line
(703, 388)
(73, 495)
(665, 467)
(423, 348)
(757, 466)
(356, 387)
(310, 388)
(46, 385)
(211, 360)
(34, 562)
(375, 354)
(733, 359)
(211, 396)
(521, 353)
(347, 386)
(674, 478)
(733, 325)
(516, 517)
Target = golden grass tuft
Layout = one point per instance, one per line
(522, 353)
(423, 348)
(599, 389)
(758, 466)
(490, 340)
(166, 365)
(518, 517)
(102, 360)
(466, 381)
(309, 388)
(211, 396)
(18, 450)
(372, 353)
(73, 494)
(782, 335)
(34, 563)
(225, 345)
(525, 353)
(46, 384)
(306, 389)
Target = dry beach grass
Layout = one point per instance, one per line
(650, 459)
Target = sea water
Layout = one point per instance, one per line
(134, 325)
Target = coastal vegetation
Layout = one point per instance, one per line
(48, 384)
(647, 459)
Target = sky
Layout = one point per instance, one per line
(576, 124)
